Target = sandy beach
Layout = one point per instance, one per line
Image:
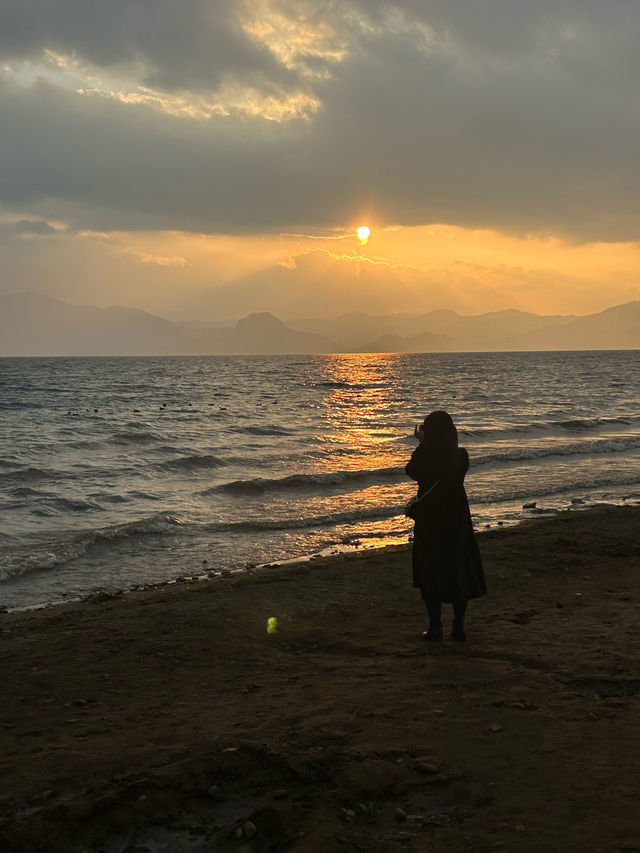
(172, 719)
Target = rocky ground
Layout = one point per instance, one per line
(186, 719)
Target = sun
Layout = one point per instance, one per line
(363, 232)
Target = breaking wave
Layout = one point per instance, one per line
(305, 481)
(64, 552)
(328, 520)
(575, 425)
(583, 448)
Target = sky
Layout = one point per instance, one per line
(208, 158)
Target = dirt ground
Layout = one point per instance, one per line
(173, 720)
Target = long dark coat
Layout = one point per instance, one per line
(446, 560)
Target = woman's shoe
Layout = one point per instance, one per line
(432, 636)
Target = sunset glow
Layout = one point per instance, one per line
(270, 134)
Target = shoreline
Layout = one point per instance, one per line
(175, 719)
(333, 551)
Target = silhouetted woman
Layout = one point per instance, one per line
(446, 561)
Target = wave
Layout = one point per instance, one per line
(191, 463)
(27, 492)
(141, 437)
(564, 491)
(594, 423)
(8, 463)
(65, 552)
(361, 478)
(18, 406)
(258, 485)
(266, 429)
(305, 481)
(583, 448)
(575, 425)
(31, 475)
(53, 505)
(329, 520)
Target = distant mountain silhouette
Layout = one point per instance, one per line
(34, 324)
(264, 333)
(495, 330)
(508, 330)
(614, 328)
(357, 330)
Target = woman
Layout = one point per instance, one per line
(446, 561)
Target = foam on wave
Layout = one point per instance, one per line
(333, 478)
(82, 543)
(583, 448)
(329, 520)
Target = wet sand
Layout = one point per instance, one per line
(172, 720)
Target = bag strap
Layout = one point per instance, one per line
(430, 489)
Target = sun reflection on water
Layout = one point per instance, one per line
(359, 404)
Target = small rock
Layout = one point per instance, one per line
(495, 727)
(401, 814)
(214, 791)
(249, 829)
(348, 813)
(426, 767)
(531, 505)
(239, 832)
(281, 793)
(559, 605)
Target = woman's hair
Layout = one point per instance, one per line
(440, 433)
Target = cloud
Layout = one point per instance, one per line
(193, 43)
(27, 228)
(158, 260)
(267, 116)
(320, 283)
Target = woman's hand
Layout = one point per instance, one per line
(418, 432)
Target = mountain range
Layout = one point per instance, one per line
(32, 324)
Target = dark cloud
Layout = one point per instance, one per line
(26, 227)
(193, 43)
(503, 113)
